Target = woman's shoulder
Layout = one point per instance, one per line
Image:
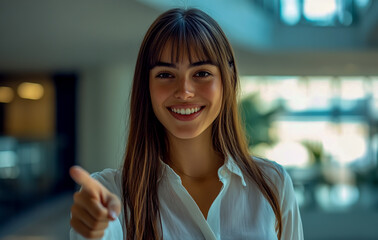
(274, 171)
(270, 167)
(110, 178)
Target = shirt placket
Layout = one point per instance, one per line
(194, 211)
(213, 217)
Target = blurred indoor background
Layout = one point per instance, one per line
(309, 76)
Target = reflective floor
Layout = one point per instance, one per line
(49, 221)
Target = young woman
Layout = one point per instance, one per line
(187, 173)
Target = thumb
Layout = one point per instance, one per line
(113, 204)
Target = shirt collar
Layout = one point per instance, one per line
(168, 171)
(229, 164)
(234, 168)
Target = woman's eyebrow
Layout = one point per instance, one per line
(194, 64)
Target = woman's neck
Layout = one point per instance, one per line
(194, 158)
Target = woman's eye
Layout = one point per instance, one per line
(164, 75)
(202, 74)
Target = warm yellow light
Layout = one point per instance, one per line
(29, 90)
(6, 94)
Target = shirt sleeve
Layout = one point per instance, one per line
(114, 231)
(110, 178)
(291, 220)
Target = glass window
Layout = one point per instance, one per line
(322, 129)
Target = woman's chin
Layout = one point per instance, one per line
(187, 133)
(184, 134)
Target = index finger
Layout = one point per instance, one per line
(83, 178)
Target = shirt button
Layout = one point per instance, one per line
(223, 173)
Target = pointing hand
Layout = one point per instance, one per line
(94, 205)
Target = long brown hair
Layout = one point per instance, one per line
(195, 32)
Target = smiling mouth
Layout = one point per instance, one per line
(185, 111)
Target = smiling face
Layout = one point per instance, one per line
(186, 96)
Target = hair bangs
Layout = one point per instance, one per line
(185, 39)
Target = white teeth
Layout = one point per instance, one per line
(185, 111)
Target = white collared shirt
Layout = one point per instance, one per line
(240, 211)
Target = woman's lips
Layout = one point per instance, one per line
(185, 113)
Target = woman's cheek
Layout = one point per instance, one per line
(159, 94)
(212, 91)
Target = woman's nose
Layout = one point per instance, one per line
(185, 89)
